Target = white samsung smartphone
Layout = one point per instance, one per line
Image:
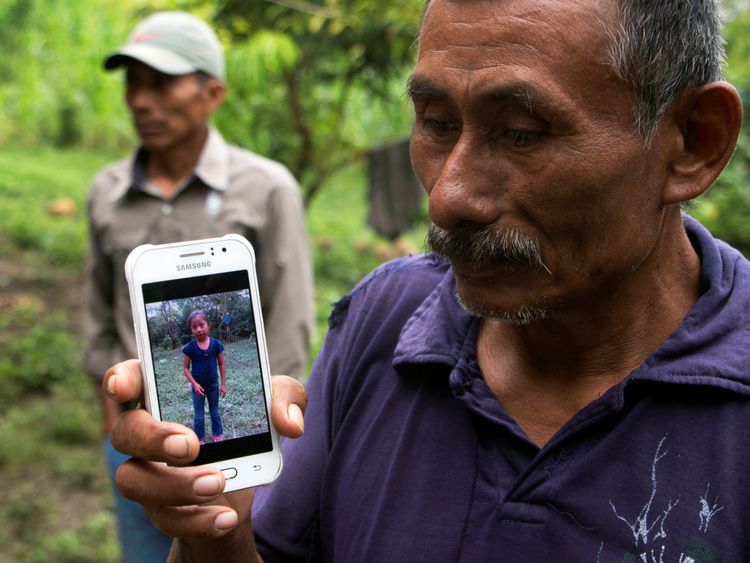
(202, 347)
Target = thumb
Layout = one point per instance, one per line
(288, 406)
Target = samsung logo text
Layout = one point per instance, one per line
(193, 266)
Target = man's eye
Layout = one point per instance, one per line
(521, 138)
(437, 126)
(163, 82)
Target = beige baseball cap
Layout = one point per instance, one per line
(173, 43)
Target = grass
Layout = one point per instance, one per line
(48, 422)
(43, 194)
(55, 502)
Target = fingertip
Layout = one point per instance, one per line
(294, 412)
(177, 446)
(122, 381)
(226, 521)
(110, 384)
(209, 485)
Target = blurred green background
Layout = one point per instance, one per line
(314, 84)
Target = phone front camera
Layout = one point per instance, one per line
(223, 249)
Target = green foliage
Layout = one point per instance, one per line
(89, 543)
(71, 423)
(43, 516)
(31, 185)
(52, 88)
(305, 70)
(312, 86)
(725, 209)
(36, 359)
(737, 23)
(48, 414)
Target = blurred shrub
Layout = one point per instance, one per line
(42, 203)
(725, 209)
(86, 544)
(38, 350)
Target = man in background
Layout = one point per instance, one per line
(185, 182)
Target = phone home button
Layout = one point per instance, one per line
(229, 473)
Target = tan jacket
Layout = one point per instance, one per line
(232, 191)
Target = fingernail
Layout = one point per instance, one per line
(177, 445)
(295, 415)
(111, 385)
(226, 521)
(207, 486)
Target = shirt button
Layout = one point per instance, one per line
(456, 385)
(167, 209)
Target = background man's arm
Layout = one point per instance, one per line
(101, 341)
(286, 283)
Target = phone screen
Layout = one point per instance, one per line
(197, 324)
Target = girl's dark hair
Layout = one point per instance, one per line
(196, 313)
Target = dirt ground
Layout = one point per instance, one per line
(50, 498)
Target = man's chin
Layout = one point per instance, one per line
(521, 315)
(153, 143)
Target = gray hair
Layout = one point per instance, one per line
(660, 48)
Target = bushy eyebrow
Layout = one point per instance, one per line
(521, 95)
(420, 88)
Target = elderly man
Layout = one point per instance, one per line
(185, 182)
(566, 378)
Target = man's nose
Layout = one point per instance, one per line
(466, 193)
(140, 98)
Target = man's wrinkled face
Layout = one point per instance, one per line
(167, 110)
(540, 192)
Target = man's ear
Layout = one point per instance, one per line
(216, 91)
(708, 121)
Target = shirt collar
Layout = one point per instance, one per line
(439, 330)
(710, 345)
(212, 168)
(213, 164)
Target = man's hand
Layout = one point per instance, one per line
(110, 410)
(186, 502)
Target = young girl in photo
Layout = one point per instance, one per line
(202, 364)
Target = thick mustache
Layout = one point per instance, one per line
(486, 247)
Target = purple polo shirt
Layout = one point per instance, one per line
(407, 455)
